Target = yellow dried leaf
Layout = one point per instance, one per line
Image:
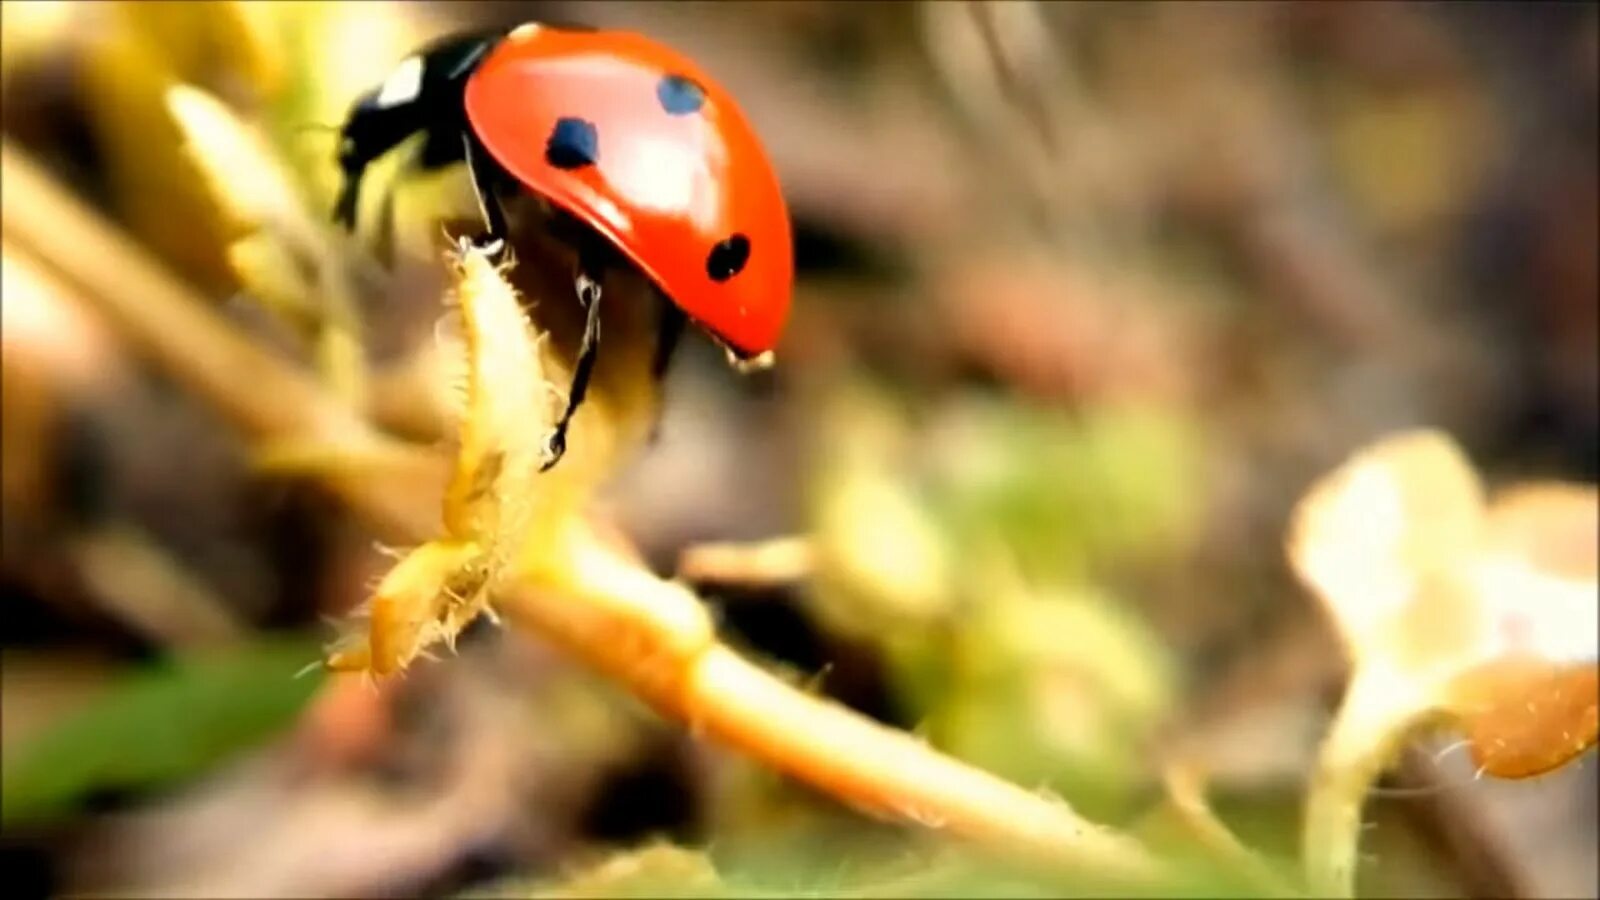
(135, 52)
(490, 504)
(256, 43)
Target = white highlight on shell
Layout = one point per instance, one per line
(660, 174)
(525, 31)
(403, 85)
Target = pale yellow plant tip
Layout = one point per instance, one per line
(491, 503)
(507, 414)
(241, 170)
(1359, 538)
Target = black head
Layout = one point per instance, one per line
(424, 94)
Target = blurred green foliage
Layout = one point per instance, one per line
(1064, 492)
(158, 726)
(970, 549)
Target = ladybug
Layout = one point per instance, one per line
(639, 156)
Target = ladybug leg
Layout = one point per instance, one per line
(385, 231)
(344, 209)
(483, 174)
(588, 350)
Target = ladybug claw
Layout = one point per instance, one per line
(555, 449)
(492, 247)
(344, 211)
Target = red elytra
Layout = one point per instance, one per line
(666, 187)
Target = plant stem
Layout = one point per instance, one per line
(655, 636)
(1368, 731)
(652, 635)
(1186, 791)
(892, 775)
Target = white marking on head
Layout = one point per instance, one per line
(525, 31)
(403, 85)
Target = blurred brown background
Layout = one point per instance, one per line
(1088, 292)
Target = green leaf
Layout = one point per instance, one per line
(160, 725)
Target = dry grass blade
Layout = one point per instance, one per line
(1185, 786)
(259, 392)
(258, 192)
(778, 561)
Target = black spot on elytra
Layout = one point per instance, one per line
(727, 259)
(573, 144)
(679, 96)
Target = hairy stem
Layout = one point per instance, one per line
(655, 636)
(1367, 733)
